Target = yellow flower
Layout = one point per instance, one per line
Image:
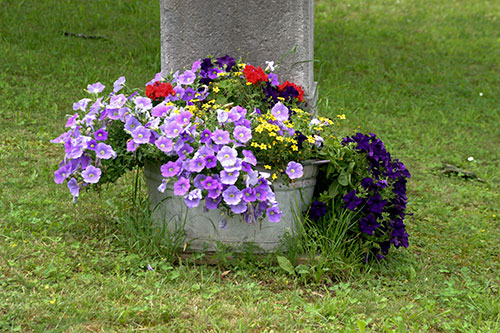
(310, 139)
(295, 148)
(274, 176)
(268, 167)
(341, 116)
(52, 301)
(216, 89)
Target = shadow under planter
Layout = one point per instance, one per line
(202, 226)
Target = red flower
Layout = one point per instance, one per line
(299, 90)
(158, 90)
(254, 75)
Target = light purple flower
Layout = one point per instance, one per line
(181, 186)
(101, 134)
(117, 101)
(242, 134)
(163, 186)
(223, 223)
(229, 178)
(131, 124)
(132, 145)
(113, 114)
(72, 121)
(221, 116)
(141, 135)
(212, 203)
(274, 214)
(61, 174)
(192, 199)
(239, 110)
(232, 196)
(196, 164)
(91, 174)
(210, 183)
(280, 111)
(196, 65)
(172, 130)
(220, 137)
(186, 78)
(81, 104)
(273, 78)
(104, 151)
(170, 169)
(74, 189)
(197, 181)
(118, 85)
(143, 103)
(161, 110)
(239, 208)
(249, 194)
(164, 144)
(215, 192)
(294, 170)
(249, 157)
(183, 118)
(95, 88)
(227, 156)
(235, 167)
(204, 151)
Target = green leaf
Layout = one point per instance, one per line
(343, 178)
(286, 265)
(302, 269)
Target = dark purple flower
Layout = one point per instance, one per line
(317, 210)
(368, 224)
(210, 183)
(226, 61)
(188, 94)
(101, 134)
(205, 136)
(375, 203)
(352, 201)
(261, 193)
(210, 161)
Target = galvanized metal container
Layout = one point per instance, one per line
(202, 227)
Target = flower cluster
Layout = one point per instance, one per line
(225, 131)
(381, 199)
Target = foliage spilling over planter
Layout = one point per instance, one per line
(223, 132)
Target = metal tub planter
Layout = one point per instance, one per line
(202, 227)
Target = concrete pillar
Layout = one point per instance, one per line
(256, 30)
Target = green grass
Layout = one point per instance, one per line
(409, 71)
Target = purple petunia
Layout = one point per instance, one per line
(192, 199)
(205, 136)
(172, 130)
(249, 157)
(131, 124)
(227, 156)
(170, 169)
(249, 194)
(101, 134)
(95, 88)
(143, 103)
(181, 186)
(196, 164)
(239, 208)
(280, 111)
(210, 161)
(352, 201)
(212, 203)
(91, 174)
(232, 196)
(118, 85)
(104, 151)
(210, 183)
(186, 78)
(274, 214)
(294, 170)
(141, 135)
(242, 134)
(229, 178)
(220, 137)
(61, 174)
(74, 189)
(183, 118)
(164, 144)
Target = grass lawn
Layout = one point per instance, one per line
(423, 75)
